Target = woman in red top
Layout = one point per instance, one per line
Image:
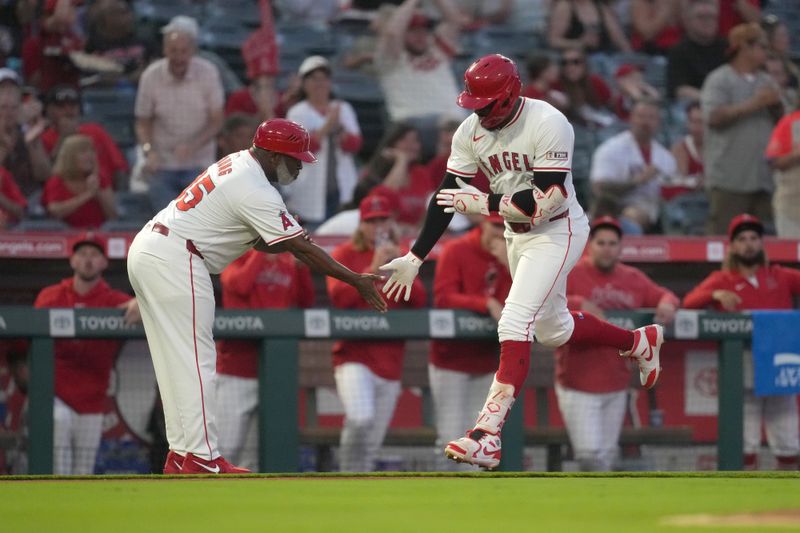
(747, 281)
(588, 96)
(688, 153)
(77, 194)
(367, 372)
(395, 173)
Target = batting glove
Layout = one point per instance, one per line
(467, 200)
(404, 269)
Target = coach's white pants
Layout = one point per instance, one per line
(594, 422)
(457, 401)
(237, 408)
(76, 438)
(176, 300)
(780, 418)
(539, 262)
(369, 402)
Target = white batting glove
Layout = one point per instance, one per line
(405, 269)
(467, 200)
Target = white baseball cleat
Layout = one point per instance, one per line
(477, 448)
(647, 343)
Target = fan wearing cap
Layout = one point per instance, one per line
(471, 273)
(592, 381)
(83, 367)
(524, 146)
(254, 281)
(45, 55)
(367, 372)
(232, 207)
(740, 104)
(747, 281)
(179, 111)
(335, 138)
(414, 65)
(63, 112)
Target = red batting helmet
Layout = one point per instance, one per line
(492, 79)
(284, 137)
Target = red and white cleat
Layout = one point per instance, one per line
(477, 448)
(197, 465)
(647, 343)
(173, 463)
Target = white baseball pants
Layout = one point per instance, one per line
(76, 438)
(594, 422)
(237, 406)
(369, 402)
(540, 261)
(176, 300)
(780, 418)
(457, 400)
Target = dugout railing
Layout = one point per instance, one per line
(280, 332)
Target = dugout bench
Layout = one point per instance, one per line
(280, 332)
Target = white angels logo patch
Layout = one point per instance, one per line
(557, 156)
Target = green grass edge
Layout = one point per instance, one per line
(406, 475)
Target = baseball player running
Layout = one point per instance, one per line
(524, 146)
(231, 207)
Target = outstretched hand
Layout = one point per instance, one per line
(404, 270)
(365, 285)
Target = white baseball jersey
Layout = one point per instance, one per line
(538, 138)
(227, 209)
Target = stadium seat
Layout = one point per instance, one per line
(135, 206)
(108, 102)
(685, 214)
(124, 225)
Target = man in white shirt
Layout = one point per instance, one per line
(628, 169)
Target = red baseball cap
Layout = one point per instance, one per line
(744, 222)
(374, 206)
(607, 222)
(625, 69)
(89, 238)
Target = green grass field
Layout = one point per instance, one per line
(403, 502)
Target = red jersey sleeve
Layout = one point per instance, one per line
(305, 287)
(780, 142)
(447, 286)
(700, 296)
(48, 297)
(342, 295)
(792, 277)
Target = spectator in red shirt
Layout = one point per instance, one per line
(592, 382)
(748, 281)
(45, 57)
(543, 76)
(396, 173)
(82, 367)
(656, 25)
(77, 193)
(367, 372)
(588, 96)
(688, 153)
(63, 110)
(471, 273)
(254, 281)
(12, 202)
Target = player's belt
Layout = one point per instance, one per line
(524, 227)
(158, 227)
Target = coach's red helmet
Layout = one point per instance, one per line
(493, 81)
(284, 137)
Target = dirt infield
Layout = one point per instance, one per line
(788, 518)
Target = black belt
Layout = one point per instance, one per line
(524, 227)
(158, 227)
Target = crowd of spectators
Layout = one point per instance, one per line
(715, 76)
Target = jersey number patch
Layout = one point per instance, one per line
(193, 194)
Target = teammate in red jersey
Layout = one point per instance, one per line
(748, 281)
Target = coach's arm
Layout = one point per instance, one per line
(319, 261)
